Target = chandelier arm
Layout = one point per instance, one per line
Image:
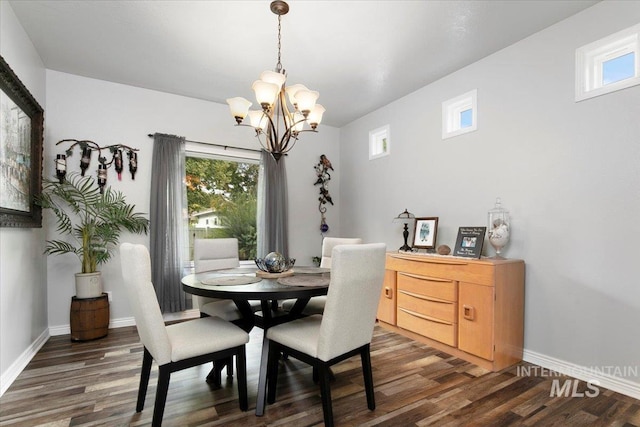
(307, 130)
(264, 147)
(285, 143)
(273, 133)
(289, 148)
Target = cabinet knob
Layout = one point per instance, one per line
(468, 312)
(388, 293)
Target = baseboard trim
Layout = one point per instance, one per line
(18, 366)
(10, 375)
(614, 383)
(128, 321)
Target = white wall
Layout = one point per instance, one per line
(568, 172)
(110, 113)
(23, 292)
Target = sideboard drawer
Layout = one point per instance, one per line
(428, 286)
(473, 271)
(433, 328)
(431, 307)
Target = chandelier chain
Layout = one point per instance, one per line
(279, 64)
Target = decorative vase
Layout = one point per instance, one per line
(499, 228)
(88, 285)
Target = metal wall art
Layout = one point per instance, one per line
(87, 147)
(322, 172)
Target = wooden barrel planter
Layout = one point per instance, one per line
(89, 318)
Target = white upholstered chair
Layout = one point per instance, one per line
(344, 330)
(178, 346)
(211, 255)
(328, 243)
(316, 304)
(216, 254)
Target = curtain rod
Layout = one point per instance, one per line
(216, 145)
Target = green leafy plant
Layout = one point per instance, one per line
(93, 221)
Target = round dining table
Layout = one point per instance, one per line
(246, 284)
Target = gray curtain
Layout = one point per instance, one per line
(167, 217)
(273, 206)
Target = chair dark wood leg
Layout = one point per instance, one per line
(164, 375)
(325, 393)
(215, 375)
(144, 379)
(315, 378)
(272, 371)
(365, 356)
(241, 369)
(230, 367)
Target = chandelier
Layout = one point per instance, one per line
(278, 124)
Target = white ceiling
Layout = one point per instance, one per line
(360, 55)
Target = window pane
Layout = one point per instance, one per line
(620, 68)
(222, 202)
(466, 118)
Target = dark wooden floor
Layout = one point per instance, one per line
(95, 384)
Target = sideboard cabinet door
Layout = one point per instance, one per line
(475, 319)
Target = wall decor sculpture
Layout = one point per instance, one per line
(87, 147)
(323, 178)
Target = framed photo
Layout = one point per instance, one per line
(21, 127)
(469, 242)
(425, 232)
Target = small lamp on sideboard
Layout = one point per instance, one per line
(406, 217)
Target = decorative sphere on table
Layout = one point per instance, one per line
(275, 262)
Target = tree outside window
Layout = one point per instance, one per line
(223, 193)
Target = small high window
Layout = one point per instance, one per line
(460, 115)
(379, 142)
(466, 118)
(609, 64)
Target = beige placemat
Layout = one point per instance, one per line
(305, 280)
(238, 270)
(266, 275)
(310, 270)
(231, 280)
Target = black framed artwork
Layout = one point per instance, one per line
(469, 242)
(21, 138)
(425, 233)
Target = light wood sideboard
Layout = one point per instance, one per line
(472, 309)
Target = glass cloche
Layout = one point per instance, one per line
(499, 228)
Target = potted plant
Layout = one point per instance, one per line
(92, 221)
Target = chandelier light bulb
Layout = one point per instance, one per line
(265, 93)
(273, 77)
(306, 100)
(291, 93)
(258, 120)
(239, 108)
(315, 116)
